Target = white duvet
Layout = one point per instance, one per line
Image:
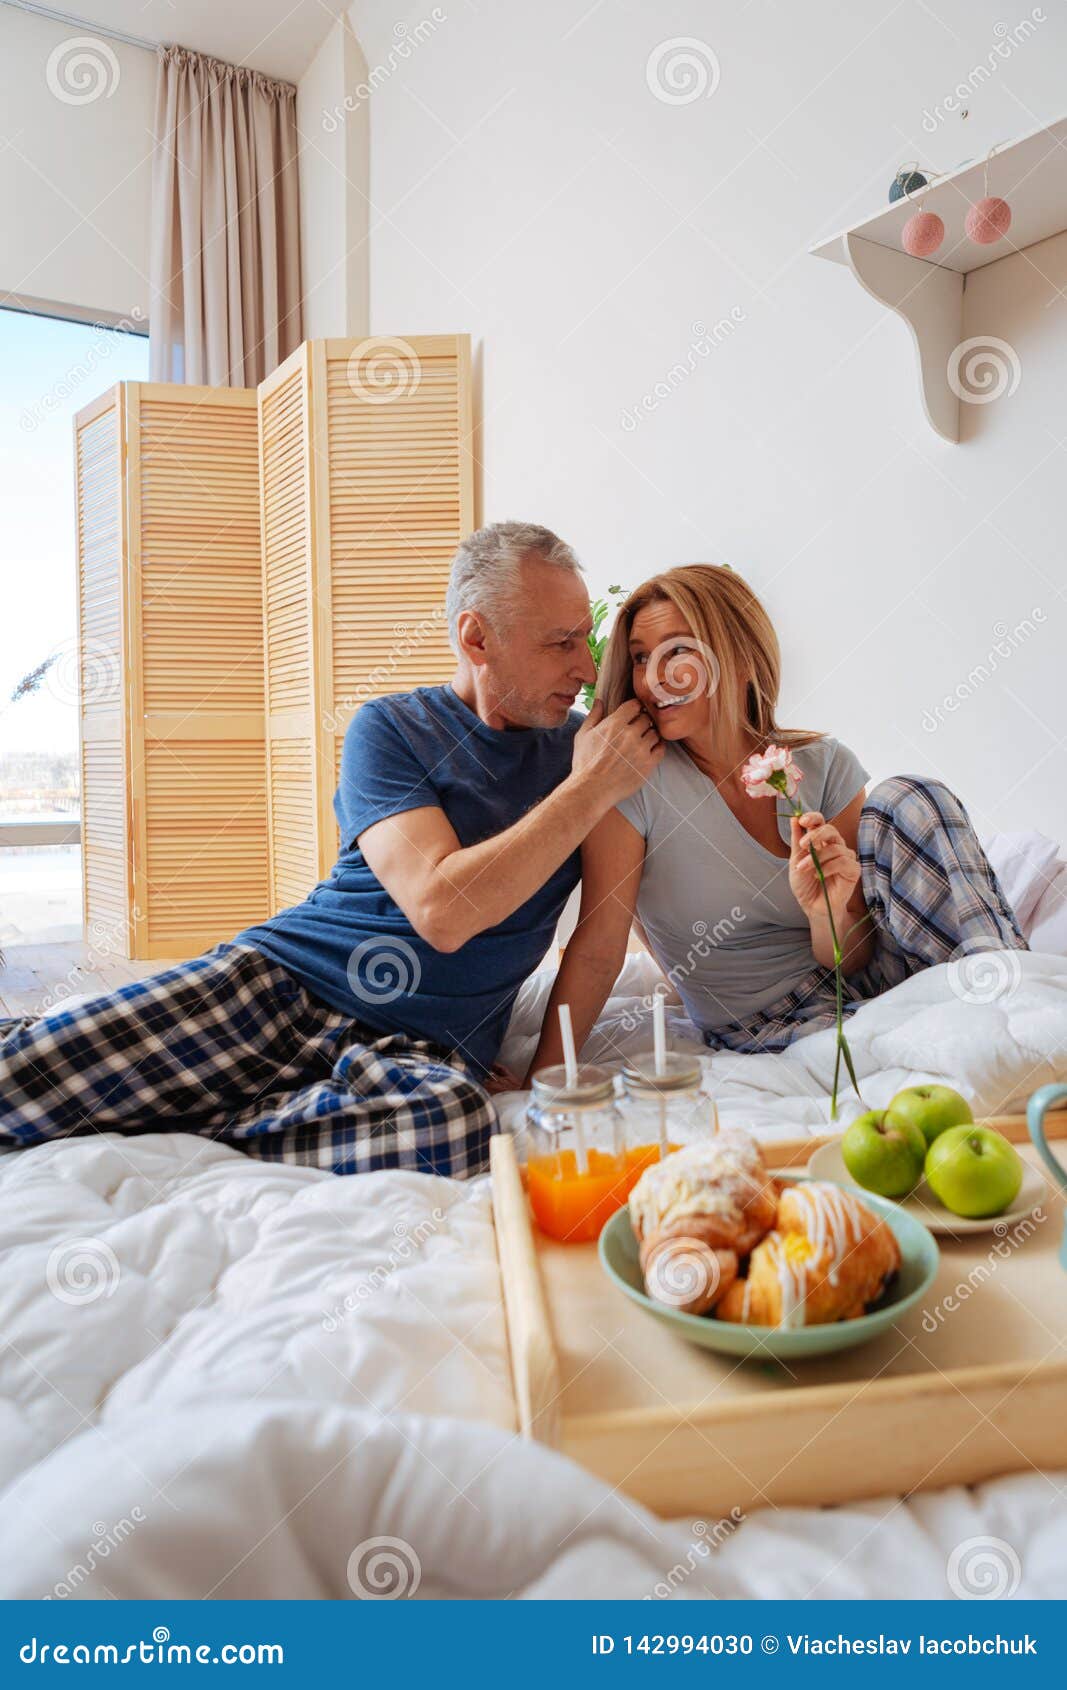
(219, 1378)
(995, 1029)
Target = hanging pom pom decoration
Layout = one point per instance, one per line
(922, 234)
(908, 180)
(988, 220)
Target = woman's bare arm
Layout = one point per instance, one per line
(612, 860)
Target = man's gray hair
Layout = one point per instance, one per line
(485, 569)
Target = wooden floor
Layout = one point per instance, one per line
(34, 978)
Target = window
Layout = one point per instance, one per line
(51, 368)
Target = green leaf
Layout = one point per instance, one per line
(597, 642)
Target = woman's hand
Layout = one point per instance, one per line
(840, 864)
(501, 1079)
(613, 856)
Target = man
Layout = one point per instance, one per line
(358, 1029)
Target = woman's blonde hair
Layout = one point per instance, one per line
(741, 655)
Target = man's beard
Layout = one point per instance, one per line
(529, 710)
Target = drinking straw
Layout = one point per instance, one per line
(570, 1058)
(659, 1032)
(570, 1063)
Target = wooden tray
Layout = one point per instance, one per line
(958, 1392)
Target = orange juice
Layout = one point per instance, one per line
(572, 1206)
(638, 1158)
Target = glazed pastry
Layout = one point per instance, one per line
(696, 1213)
(827, 1258)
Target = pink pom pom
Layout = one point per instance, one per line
(987, 220)
(922, 234)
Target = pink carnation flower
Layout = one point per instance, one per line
(776, 760)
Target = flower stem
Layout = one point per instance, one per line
(842, 1043)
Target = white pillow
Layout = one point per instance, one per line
(1029, 869)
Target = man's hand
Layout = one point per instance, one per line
(617, 752)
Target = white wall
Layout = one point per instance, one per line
(333, 124)
(74, 172)
(529, 187)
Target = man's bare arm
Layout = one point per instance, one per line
(449, 892)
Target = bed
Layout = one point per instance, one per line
(224, 1379)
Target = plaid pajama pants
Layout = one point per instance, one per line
(232, 1047)
(932, 897)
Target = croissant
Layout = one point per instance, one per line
(696, 1213)
(827, 1258)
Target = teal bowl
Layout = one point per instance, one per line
(918, 1269)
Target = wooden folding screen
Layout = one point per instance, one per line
(367, 489)
(174, 809)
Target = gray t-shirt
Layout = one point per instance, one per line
(715, 904)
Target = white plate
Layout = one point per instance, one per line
(828, 1163)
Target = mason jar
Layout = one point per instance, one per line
(575, 1161)
(663, 1112)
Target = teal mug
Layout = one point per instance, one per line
(1035, 1120)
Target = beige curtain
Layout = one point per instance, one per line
(225, 243)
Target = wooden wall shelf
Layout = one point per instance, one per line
(930, 293)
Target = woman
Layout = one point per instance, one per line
(722, 884)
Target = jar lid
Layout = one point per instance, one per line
(680, 1073)
(591, 1087)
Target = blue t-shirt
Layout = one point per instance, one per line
(353, 947)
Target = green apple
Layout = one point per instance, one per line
(883, 1156)
(974, 1171)
(933, 1108)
